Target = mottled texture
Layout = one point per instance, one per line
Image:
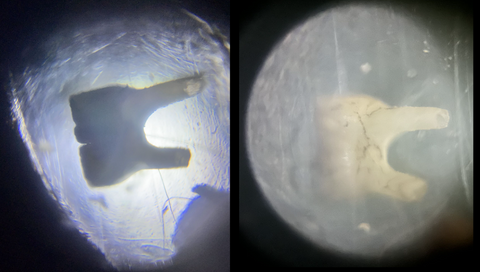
(355, 134)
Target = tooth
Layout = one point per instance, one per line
(355, 134)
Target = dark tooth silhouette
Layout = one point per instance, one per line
(110, 121)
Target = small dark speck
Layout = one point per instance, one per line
(165, 210)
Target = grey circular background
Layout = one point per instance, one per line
(409, 65)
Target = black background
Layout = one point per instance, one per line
(261, 27)
(33, 236)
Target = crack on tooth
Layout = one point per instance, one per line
(352, 126)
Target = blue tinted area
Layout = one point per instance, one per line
(132, 222)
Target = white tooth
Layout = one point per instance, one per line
(355, 134)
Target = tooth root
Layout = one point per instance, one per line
(386, 124)
(355, 134)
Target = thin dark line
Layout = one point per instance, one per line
(175, 197)
(169, 203)
(163, 223)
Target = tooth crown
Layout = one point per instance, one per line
(355, 133)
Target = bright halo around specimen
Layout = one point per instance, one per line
(127, 120)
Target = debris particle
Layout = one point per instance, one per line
(411, 73)
(365, 227)
(366, 68)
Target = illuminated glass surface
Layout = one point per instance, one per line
(132, 222)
